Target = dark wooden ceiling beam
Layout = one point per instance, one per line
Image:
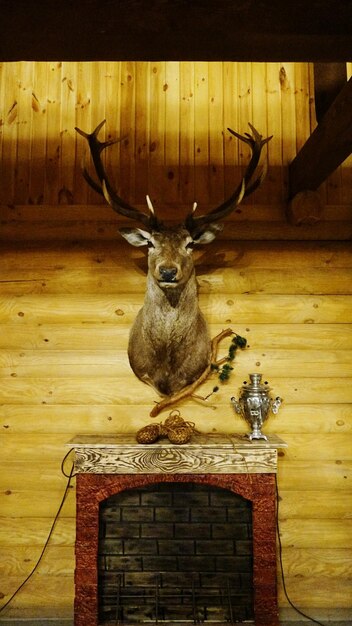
(227, 30)
(329, 79)
(327, 147)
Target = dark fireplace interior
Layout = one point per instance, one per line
(175, 552)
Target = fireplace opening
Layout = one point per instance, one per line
(172, 552)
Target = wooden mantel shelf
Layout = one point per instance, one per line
(204, 454)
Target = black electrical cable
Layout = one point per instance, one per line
(68, 485)
(311, 619)
(70, 475)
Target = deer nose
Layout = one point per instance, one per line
(167, 274)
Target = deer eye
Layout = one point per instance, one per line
(190, 245)
(150, 244)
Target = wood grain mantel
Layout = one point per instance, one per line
(204, 454)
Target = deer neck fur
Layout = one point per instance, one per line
(169, 344)
(177, 304)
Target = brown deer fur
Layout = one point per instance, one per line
(169, 344)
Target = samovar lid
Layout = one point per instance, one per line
(256, 384)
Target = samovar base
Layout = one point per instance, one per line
(259, 435)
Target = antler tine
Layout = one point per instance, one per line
(116, 202)
(256, 144)
(245, 188)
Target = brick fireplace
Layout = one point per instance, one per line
(169, 533)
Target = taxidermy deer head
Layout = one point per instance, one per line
(169, 344)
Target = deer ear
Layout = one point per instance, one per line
(135, 236)
(208, 234)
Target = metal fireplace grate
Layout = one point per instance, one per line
(159, 604)
(175, 553)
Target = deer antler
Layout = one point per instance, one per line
(245, 188)
(105, 189)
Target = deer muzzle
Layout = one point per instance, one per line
(167, 274)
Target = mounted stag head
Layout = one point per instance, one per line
(169, 344)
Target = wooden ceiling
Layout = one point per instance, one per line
(228, 30)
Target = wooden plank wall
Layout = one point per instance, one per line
(70, 289)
